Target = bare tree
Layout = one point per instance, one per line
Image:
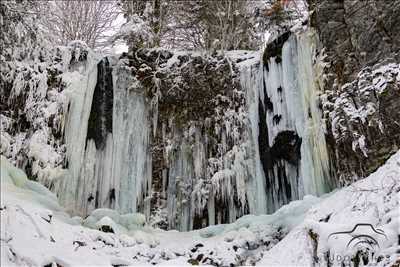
(209, 24)
(227, 24)
(88, 21)
(222, 24)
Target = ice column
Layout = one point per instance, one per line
(131, 167)
(252, 83)
(315, 161)
(109, 162)
(291, 131)
(80, 82)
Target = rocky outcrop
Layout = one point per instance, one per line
(101, 113)
(356, 33)
(364, 120)
(361, 101)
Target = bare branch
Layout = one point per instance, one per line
(88, 21)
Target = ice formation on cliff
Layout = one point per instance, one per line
(264, 147)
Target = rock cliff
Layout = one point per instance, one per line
(361, 101)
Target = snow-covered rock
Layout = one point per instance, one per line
(363, 120)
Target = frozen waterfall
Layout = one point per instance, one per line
(291, 132)
(107, 137)
(277, 153)
(264, 150)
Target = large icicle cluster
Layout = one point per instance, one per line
(108, 157)
(251, 139)
(31, 105)
(35, 104)
(366, 214)
(201, 155)
(30, 214)
(60, 123)
(205, 152)
(291, 137)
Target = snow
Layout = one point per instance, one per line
(42, 152)
(236, 175)
(15, 183)
(38, 95)
(138, 30)
(360, 143)
(120, 223)
(85, 177)
(66, 243)
(131, 142)
(31, 214)
(243, 58)
(27, 219)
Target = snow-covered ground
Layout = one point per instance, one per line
(369, 206)
(36, 232)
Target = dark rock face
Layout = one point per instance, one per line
(264, 148)
(356, 33)
(188, 83)
(106, 229)
(360, 36)
(287, 146)
(100, 120)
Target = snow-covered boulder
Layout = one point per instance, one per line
(98, 214)
(108, 220)
(132, 221)
(107, 225)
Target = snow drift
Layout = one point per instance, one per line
(297, 234)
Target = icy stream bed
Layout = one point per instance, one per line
(36, 232)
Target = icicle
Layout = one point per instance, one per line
(315, 165)
(252, 82)
(113, 169)
(131, 169)
(283, 111)
(211, 209)
(154, 103)
(292, 90)
(80, 89)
